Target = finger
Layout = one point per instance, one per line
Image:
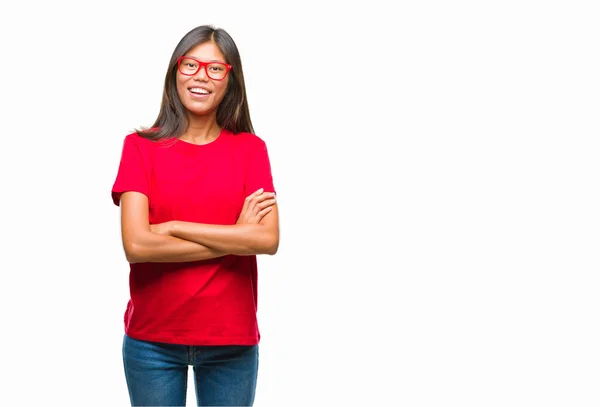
(261, 201)
(263, 212)
(255, 193)
(266, 203)
(250, 200)
(245, 206)
(252, 205)
(263, 196)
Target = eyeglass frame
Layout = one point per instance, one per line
(201, 65)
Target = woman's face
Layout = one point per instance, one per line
(200, 94)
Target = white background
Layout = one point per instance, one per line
(437, 170)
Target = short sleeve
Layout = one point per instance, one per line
(258, 168)
(133, 173)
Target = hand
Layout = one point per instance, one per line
(162, 228)
(256, 206)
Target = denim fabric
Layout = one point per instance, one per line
(157, 373)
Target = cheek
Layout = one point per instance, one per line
(222, 89)
(180, 87)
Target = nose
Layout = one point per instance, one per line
(201, 74)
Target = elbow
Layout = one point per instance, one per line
(264, 245)
(132, 252)
(264, 241)
(272, 246)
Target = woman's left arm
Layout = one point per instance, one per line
(256, 231)
(239, 239)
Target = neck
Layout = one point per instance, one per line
(201, 130)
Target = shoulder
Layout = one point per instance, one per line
(246, 137)
(139, 146)
(145, 144)
(247, 140)
(135, 138)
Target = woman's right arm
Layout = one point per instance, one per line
(141, 245)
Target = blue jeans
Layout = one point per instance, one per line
(157, 373)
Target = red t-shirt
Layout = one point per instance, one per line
(209, 302)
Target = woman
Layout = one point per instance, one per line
(197, 205)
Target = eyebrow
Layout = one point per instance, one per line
(203, 60)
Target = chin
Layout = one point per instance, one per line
(201, 112)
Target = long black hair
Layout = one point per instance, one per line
(233, 113)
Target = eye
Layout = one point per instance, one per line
(216, 67)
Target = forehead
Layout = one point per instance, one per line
(207, 51)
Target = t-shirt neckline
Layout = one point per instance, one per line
(192, 146)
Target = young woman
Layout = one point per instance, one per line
(197, 205)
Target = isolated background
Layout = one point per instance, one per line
(437, 170)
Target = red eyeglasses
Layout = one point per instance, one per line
(214, 70)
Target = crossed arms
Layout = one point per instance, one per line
(256, 232)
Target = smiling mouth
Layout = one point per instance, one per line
(199, 91)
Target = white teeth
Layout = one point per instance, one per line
(199, 90)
